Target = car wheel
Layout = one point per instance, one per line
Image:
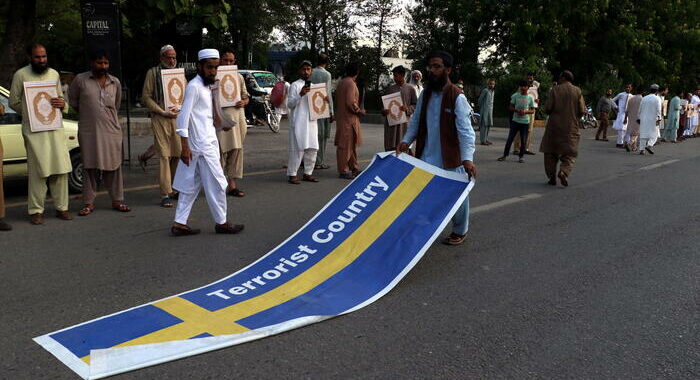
(75, 177)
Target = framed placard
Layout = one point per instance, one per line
(318, 106)
(42, 115)
(393, 103)
(229, 87)
(174, 83)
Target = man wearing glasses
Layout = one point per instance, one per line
(443, 133)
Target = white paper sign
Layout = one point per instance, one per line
(42, 115)
(318, 107)
(393, 103)
(229, 87)
(174, 83)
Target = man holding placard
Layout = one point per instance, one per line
(319, 75)
(167, 143)
(48, 160)
(399, 110)
(303, 131)
(231, 142)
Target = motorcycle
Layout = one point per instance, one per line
(260, 111)
(587, 119)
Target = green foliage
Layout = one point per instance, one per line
(58, 28)
(605, 43)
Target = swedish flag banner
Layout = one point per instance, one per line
(356, 249)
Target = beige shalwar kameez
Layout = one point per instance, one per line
(167, 142)
(48, 159)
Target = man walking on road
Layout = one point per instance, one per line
(303, 132)
(321, 75)
(486, 111)
(443, 133)
(632, 132)
(533, 91)
(564, 106)
(163, 122)
(348, 134)
(231, 141)
(620, 124)
(649, 117)
(96, 96)
(201, 159)
(47, 154)
(603, 108)
(522, 105)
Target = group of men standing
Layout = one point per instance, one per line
(97, 96)
(641, 116)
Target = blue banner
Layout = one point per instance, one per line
(357, 248)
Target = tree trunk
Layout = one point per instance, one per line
(379, 43)
(19, 31)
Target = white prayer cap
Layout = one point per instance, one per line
(208, 53)
(654, 86)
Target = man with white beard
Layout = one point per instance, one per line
(649, 118)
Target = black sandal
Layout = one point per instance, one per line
(236, 193)
(166, 202)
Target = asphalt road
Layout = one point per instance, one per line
(596, 281)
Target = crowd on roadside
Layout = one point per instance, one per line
(201, 144)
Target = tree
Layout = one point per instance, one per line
(378, 14)
(19, 25)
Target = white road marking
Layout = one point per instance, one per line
(504, 202)
(660, 164)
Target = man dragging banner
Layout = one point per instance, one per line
(444, 138)
(200, 164)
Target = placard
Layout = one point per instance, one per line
(229, 87)
(42, 115)
(318, 106)
(174, 83)
(393, 103)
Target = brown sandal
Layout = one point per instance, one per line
(294, 180)
(455, 239)
(87, 210)
(182, 230)
(309, 178)
(120, 206)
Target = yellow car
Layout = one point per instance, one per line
(15, 156)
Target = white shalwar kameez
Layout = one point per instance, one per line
(649, 115)
(620, 100)
(196, 123)
(303, 133)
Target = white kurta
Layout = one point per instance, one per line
(303, 131)
(620, 101)
(196, 123)
(649, 114)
